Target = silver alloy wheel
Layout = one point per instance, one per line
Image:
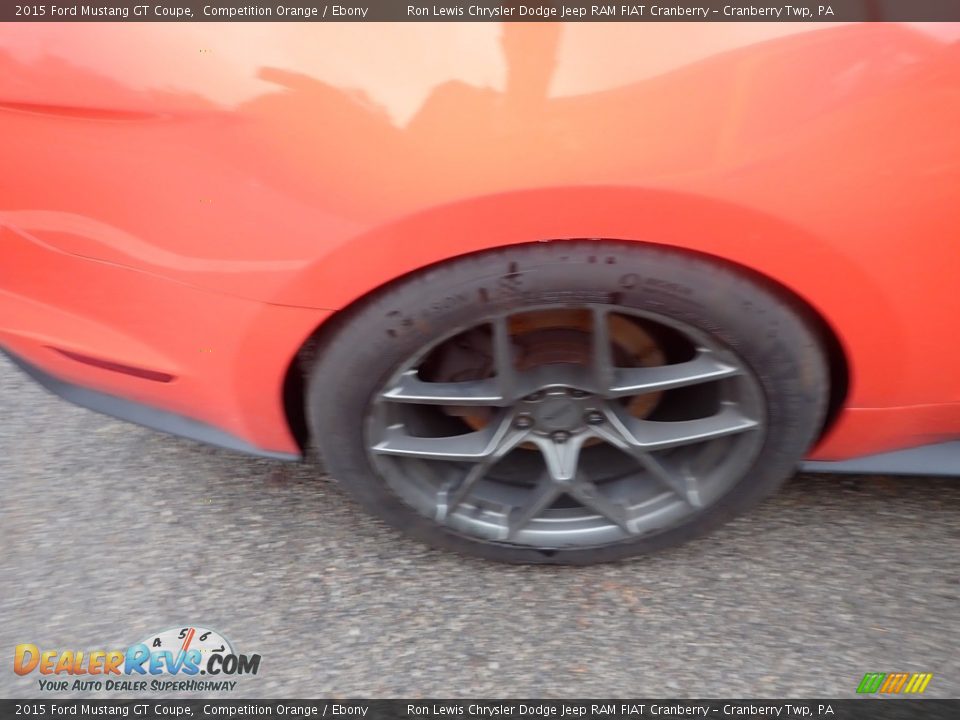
(561, 462)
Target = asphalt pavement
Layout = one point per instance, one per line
(111, 532)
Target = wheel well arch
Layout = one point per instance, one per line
(294, 383)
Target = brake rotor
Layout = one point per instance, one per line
(543, 338)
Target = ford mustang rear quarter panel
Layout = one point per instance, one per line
(206, 352)
(270, 173)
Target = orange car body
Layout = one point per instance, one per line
(194, 201)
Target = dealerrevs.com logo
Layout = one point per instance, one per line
(173, 661)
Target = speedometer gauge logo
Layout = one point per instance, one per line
(184, 639)
(171, 660)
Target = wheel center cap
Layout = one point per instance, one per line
(558, 414)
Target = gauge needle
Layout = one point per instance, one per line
(187, 639)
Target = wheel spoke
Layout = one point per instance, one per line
(680, 481)
(542, 497)
(602, 355)
(563, 458)
(454, 495)
(589, 495)
(411, 389)
(503, 361)
(649, 435)
(472, 446)
(705, 367)
(488, 392)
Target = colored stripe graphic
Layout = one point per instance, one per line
(894, 683)
(871, 682)
(918, 683)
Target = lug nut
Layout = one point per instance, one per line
(523, 422)
(594, 417)
(560, 436)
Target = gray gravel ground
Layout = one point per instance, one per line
(111, 532)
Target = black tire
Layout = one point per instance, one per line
(772, 336)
